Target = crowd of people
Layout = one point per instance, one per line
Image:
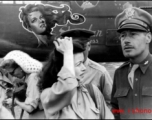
(69, 85)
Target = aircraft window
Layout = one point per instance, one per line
(112, 37)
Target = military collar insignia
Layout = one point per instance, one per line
(130, 12)
(146, 62)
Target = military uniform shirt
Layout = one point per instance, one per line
(99, 76)
(137, 102)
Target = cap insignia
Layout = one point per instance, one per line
(129, 13)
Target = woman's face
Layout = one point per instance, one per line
(37, 22)
(79, 65)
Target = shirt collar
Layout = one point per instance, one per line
(86, 63)
(145, 63)
(81, 86)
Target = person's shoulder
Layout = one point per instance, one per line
(33, 77)
(96, 66)
(122, 67)
(33, 74)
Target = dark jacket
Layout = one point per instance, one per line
(137, 102)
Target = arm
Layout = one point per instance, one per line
(32, 94)
(27, 108)
(106, 87)
(60, 94)
(114, 101)
(24, 106)
(69, 61)
(65, 46)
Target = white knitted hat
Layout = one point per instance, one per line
(26, 62)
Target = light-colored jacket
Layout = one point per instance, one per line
(69, 99)
(99, 76)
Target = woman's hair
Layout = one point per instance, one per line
(48, 76)
(53, 15)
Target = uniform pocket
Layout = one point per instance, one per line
(122, 96)
(147, 97)
(121, 92)
(147, 91)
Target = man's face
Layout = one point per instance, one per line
(37, 22)
(79, 64)
(133, 43)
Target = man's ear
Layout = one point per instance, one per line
(89, 45)
(148, 37)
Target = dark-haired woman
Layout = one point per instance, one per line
(63, 94)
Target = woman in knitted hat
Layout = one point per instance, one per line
(26, 68)
(63, 94)
(40, 19)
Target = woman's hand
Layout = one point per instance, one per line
(8, 103)
(64, 45)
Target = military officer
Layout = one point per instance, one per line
(132, 87)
